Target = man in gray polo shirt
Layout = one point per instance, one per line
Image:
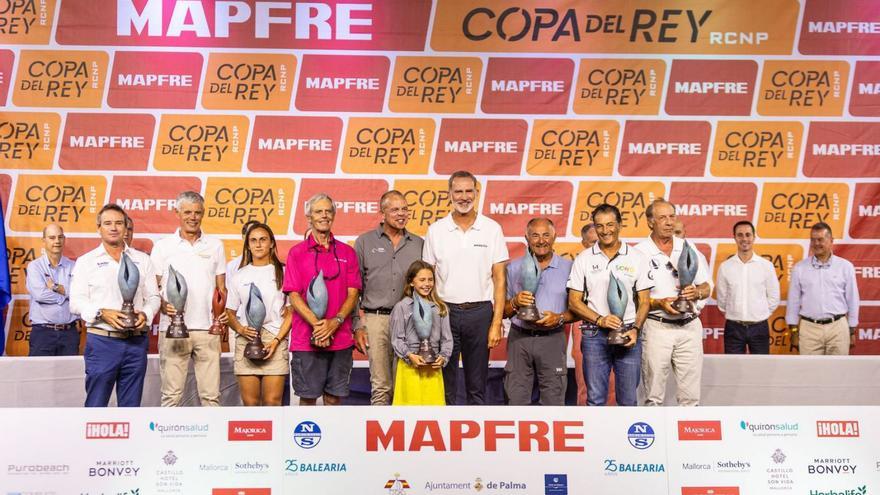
(384, 255)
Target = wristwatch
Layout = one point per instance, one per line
(340, 319)
(99, 315)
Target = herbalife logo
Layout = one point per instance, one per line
(862, 490)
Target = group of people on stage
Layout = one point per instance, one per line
(416, 307)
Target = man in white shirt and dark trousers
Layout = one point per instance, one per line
(201, 261)
(468, 252)
(114, 356)
(747, 292)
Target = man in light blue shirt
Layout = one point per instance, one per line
(823, 299)
(54, 330)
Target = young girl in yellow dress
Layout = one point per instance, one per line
(420, 321)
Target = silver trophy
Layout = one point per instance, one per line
(316, 298)
(175, 293)
(423, 320)
(618, 298)
(530, 276)
(255, 313)
(129, 277)
(687, 271)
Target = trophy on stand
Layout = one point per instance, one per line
(175, 293)
(255, 312)
(618, 298)
(128, 278)
(218, 306)
(531, 274)
(423, 320)
(687, 271)
(316, 298)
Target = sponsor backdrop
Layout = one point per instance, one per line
(557, 106)
(551, 451)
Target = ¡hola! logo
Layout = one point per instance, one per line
(107, 430)
(837, 428)
(60, 78)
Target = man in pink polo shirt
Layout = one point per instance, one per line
(320, 363)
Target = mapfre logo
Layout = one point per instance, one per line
(60, 78)
(631, 198)
(388, 146)
(295, 144)
(513, 203)
(232, 202)
(499, 144)
(710, 208)
(837, 428)
(527, 85)
(155, 80)
(250, 431)
(107, 430)
(756, 149)
(864, 100)
(619, 86)
(248, 81)
(842, 149)
(107, 141)
(201, 143)
(664, 148)
(435, 84)
(357, 204)
(803, 87)
(711, 87)
(699, 430)
(27, 22)
(151, 203)
(838, 28)
(864, 222)
(789, 210)
(345, 83)
(866, 262)
(28, 140)
(68, 200)
(573, 147)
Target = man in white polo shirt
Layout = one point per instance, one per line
(468, 252)
(202, 263)
(672, 341)
(747, 294)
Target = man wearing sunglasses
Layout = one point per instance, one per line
(321, 360)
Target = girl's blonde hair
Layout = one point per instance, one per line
(411, 273)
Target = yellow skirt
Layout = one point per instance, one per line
(415, 386)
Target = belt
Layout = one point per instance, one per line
(378, 311)
(467, 305)
(56, 326)
(679, 322)
(747, 323)
(118, 334)
(822, 321)
(535, 333)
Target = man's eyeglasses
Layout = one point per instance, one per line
(672, 269)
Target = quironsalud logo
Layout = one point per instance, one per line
(861, 490)
(770, 429)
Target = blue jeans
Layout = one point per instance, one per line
(600, 358)
(47, 341)
(115, 362)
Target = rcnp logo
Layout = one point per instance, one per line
(864, 100)
(803, 87)
(842, 149)
(60, 78)
(499, 144)
(203, 143)
(711, 87)
(249, 431)
(710, 208)
(68, 200)
(527, 85)
(357, 203)
(640, 435)
(435, 84)
(232, 202)
(619, 86)
(865, 219)
(699, 430)
(295, 144)
(513, 203)
(151, 204)
(27, 22)
(838, 28)
(155, 80)
(107, 430)
(664, 148)
(837, 428)
(579, 147)
(756, 149)
(632, 198)
(789, 210)
(28, 140)
(345, 83)
(101, 141)
(307, 434)
(388, 146)
(248, 81)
